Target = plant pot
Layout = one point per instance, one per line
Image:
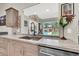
(63, 38)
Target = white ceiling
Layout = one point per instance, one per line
(17, 5)
(43, 10)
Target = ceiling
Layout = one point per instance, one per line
(43, 10)
(17, 5)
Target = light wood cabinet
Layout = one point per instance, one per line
(18, 48)
(30, 49)
(11, 17)
(3, 47)
(15, 48)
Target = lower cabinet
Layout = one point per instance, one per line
(30, 50)
(17, 48)
(3, 47)
(9, 47)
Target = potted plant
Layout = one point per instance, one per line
(63, 23)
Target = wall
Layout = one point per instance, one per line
(24, 30)
(27, 29)
(71, 31)
(46, 11)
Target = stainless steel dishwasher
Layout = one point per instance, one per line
(46, 51)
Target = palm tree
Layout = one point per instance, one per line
(63, 23)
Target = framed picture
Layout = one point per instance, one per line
(67, 9)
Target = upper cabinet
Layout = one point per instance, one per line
(43, 10)
(11, 17)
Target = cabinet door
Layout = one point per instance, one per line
(30, 50)
(18, 48)
(3, 47)
(11, 17)
(15, 48)
(11, 48)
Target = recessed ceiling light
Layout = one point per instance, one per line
(47, 10)
(35, 13)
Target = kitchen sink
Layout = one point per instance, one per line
(31, 37)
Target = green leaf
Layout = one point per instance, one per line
(63, 22)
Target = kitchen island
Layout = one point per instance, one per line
(14, 45)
